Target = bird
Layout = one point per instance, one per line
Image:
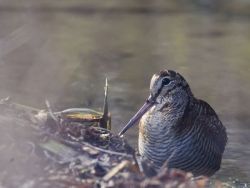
(178, 128)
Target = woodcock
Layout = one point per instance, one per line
(176, 126)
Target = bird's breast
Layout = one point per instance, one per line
(156, 138)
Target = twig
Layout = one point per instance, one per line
(119, 167)
(166, 162)
(77, 144)
(139, 163)
(53, 116)
(107, 151)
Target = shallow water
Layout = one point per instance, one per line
(63, 52)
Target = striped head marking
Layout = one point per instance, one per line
(167, 82)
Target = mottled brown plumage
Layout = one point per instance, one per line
(174, 121)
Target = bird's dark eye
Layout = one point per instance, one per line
(165, 81)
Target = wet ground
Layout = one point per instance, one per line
(63, 51)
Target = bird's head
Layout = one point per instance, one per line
(167, 87)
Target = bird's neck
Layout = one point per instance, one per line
(176, 103)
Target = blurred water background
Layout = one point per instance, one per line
(63, 50)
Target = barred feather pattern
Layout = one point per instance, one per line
(198, 141)
(180, 123)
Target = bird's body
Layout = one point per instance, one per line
(175, 122)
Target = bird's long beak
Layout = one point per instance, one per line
(149, 103)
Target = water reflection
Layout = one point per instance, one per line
(64, 53)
